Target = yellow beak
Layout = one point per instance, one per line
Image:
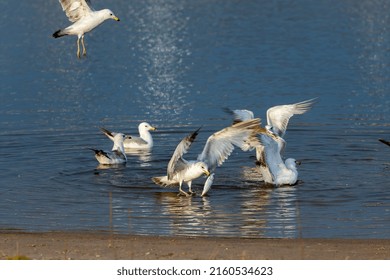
(116, 18)
(207, 173)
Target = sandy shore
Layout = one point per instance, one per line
(79, 246)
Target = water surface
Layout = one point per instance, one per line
(176, 64)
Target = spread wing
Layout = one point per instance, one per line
(240, 115)
(279, 116)
(75, 9)
(177, 163)
(221, 144)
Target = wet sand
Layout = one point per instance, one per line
(104, 246)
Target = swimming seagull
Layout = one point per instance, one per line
(143, 142)
(282, 173)
(216, 150)
(84, 20)
(278, 118)
(117, 154)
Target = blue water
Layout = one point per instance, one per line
(176, 64)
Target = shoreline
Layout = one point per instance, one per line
(106, 246)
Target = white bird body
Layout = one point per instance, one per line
(193, 170)
(84, 20)
(217, 149)
(117, 154)
(143, 142)
(87, 23)
(281, 173)
(260, 157)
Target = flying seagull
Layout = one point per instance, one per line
(217, 149)
(84, 20)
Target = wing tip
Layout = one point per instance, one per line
(384, 141)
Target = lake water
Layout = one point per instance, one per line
(176, 64)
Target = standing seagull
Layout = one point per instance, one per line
(143, 142)
(84, 20)
(117, 154)
(217, 149)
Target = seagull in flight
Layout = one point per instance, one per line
(217, 149)
(143, 142)
(116, 155)
(84, 19)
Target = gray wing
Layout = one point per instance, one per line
(221, 144)
(75, 9)
(240, 115)
(279, 116)
(137, 140)
(176, 162)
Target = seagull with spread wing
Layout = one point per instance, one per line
(278, 118)
(84, 20)
(218, 148)
(116, 155)
(143, 142)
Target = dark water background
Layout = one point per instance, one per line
(175, 64)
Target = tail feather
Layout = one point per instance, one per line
(108, 133)
(58, 33)
(163, 181)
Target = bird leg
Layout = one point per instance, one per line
(189, 188)
(84, 49)
(78, 47)
(181, 191)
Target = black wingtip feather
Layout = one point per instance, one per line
(384, 141)
(57, 34)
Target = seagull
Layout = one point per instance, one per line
(84, 20)
(143, 142)
(281, 173)
(278, 118)
(117, 154)
(217, 149)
